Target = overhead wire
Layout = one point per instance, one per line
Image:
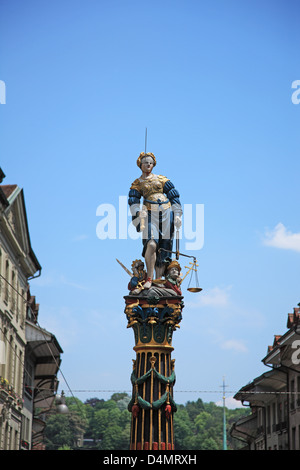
(128, 391)
(46, 341)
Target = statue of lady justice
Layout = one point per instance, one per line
(161, 211)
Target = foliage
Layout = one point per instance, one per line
(199, 426)
(66, 431)
(100, 424)
(110, 425)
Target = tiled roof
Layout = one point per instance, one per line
(8, 189)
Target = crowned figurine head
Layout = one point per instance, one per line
(173, 271)
(174, 265)
(144, 155)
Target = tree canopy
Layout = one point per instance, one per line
(105, 425)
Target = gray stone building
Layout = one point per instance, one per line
(274, 397)
(29, 355)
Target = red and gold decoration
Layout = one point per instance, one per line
(153, 376)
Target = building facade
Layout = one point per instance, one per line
(42, 362)
(274, 397)
(20, 369)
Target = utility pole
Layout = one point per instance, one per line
(224, 418)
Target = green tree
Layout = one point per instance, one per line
(109, 426)
(209, 431)
(194, 408)
(58, 432)
(66, 430)
(183, 428)
(197, 425)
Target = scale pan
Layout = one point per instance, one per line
(194, 289)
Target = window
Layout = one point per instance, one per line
(279, 412)
(9, 372)
(268, 419)
(1, 280)
(292, 400)
(274, 417)
(13, 291)
(6, 296)
(28, 380)
(19, 382)
(22, 310)
(293, 439)
(298, 390)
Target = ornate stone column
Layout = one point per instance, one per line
(153, 321)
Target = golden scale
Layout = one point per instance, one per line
(193, 269)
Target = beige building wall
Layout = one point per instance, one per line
(17, 264)
(12, 348)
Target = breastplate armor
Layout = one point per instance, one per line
(152, 191)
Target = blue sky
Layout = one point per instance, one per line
(212, 82)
